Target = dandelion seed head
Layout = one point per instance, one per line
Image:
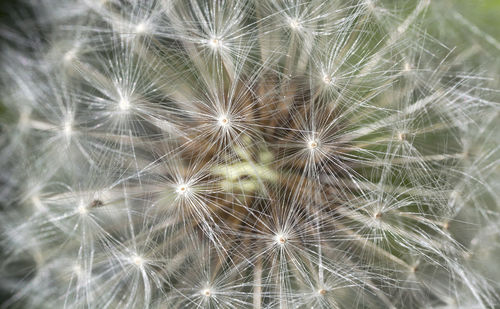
(294, 23)
(182, 189)
(280, 239)
(240, 153)
(206, 292)
(327, 79)
(312, 144)
(141, 28)
(223, 121)
(215, 43)
(402, 136)
(69, 56)
(137, 260)
(68, 128)
(124, 104)
(82, 209)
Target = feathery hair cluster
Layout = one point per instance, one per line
(245, 154)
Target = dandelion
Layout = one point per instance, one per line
(246, 154)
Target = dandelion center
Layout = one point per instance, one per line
(280, 239)
(313, 144)
(137, 260)
(215, 43)
(141, 28)
(69, 56)
(401, 136)
(68, 128)
(223, 121)
(124, 104)
(182, 189)
(82, 210)
(206, 292)
(294, 24)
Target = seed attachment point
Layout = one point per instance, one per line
(182, 189)
(67, 128)
(124, 105)
(223, 121)
(137, 260)
(206, 292)
(312, 144)
(141, 28)
(82, 210)
(402, 136)
(280, 239)
(215, 43)
(294, 24)
(69, 56)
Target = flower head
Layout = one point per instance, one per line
(245, 154)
